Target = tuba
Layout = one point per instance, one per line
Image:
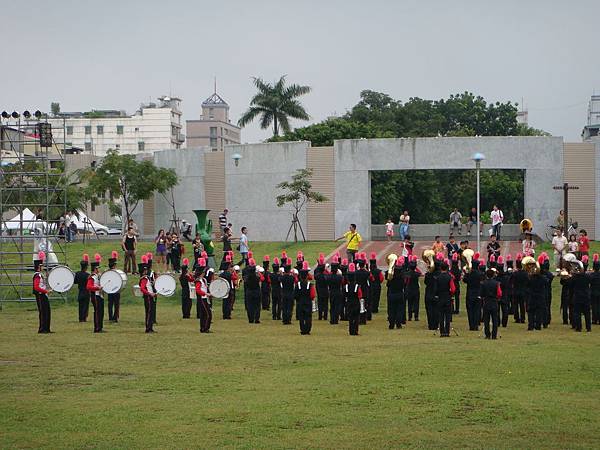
(467, 259)
(428, 257)
(530, 265)
(526, 225)
(571, 265)
(391, 260)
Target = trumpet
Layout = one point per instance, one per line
(467, 257)
(428, 257)
(391, 260)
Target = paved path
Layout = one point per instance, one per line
(384, 248)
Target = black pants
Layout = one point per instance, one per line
(445, 312)
(395, 302)
(490, 313)
(266, 299)
(44, 313)
(519, 306)
(154, 311)
(323, 304)
(276, 305)
(456, 309)
(548, 314)
(375, 293)
(186, 305)
(432, 313)
(413, 305)
(304, 317)
(579, 309)
(253, 300)
(84, 305)
(98, 304)
(176, 261)
(205, 315)
(335, 307)
(535, 312)
(149, 306)
(596, 309)
(473, 312)
(287, 307)
(504, 310)
(353, 321)
(567, 311)
(227, 305)
(114, 306)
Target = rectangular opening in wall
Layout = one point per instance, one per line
(431, 195)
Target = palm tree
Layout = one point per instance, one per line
(275, 103)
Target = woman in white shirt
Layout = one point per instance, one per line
(404, 223)
(497, 217)
(528, 245)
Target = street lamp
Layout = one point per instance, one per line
(236, 158)
(478, 157)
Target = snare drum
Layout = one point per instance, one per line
(61, 279)
(113, 281)
(165, 285)
(137, 292)
(192, 289)
(219, 288)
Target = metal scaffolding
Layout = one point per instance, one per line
(32, 201)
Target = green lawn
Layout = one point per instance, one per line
(266, 386)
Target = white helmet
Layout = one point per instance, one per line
(236, 268)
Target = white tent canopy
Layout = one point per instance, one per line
(28, 221)
(84, 222)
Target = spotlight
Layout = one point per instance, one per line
(38, 114)
(5, 115)
(26, 114)
(15, 115)
(45, 133)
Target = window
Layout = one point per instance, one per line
(88, 146)
(69, 130)
(119, 129)
(141, 146)
(213, 142)
(213, 131)
(100, 129)
(88, 129)
(137, 129)
(211, 113)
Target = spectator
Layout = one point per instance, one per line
(473, 221)
(438, 246)
(161, 248)
(353, 240)
(573, 244)
(186, 230)
(528, 244)
(198, 248)
(244, 246)
(168, 260)
(560, 220)
(73, 227)
(226, 239)
(455, 221)
(451, 247)
(134, 227)
(559, 244)
(389, 229)
(407, 246)
(176, 251)
(67, 222)
(61, 230)
(404, 225)
(493, 247)
(223, 220)
(129, 245)
(497, 218)
(584, 244)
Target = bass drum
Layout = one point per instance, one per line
(219, 288)
(113, 281)
(61, 279)
(165, 285)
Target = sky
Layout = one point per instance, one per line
(116, 54)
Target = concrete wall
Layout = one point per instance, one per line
(541, 157)
(250, 187)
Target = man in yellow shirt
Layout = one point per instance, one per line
(353, 240)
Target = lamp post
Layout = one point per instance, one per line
(236, 158)
(478, 157)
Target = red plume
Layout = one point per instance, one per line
(373, 255)
(500, 260)
(186, 261)
(305, 265)
(345, 262)
(351, 267)
(266, 258)
(400, 261)
(114, 254)
(540, 259)
(439, 256)
(228, 258)
(509, 257)
(97, 257)
(454, 256)
(276, 260)
(149, 255)
(144, 259)
(585, 259)
(337, 255)
(284, 254)
(41, 256)
(596, 257)
(492, 258)
(86, 257)
(299, 255)
(519, 256)
(205, 255)
(251, 262)
(446, 261)
(322, 255)
(321, 260)
(476, 255)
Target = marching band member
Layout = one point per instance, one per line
(353, 294)
(199, 272)
(202, 296)
(336, 297)
(430, 303)
(93, 288)
(595, 289)
(473, 280)
(457, 274)
(581, 297)
(265, 286)
(287, 281)
(520, 290)
(275, 280)
(491, 292)
(231, 277)
(395, 295)
(304, 294)
(545, 268)
(444, 290)
(83, 297)
(322, 284)
(185, 278)
(375, 279)
(252, 281)
(536, 305)
(411, 288)
(41, 291)
(114, 300)
(148, 294)
(152, 279)
(362, 276)
(504, 303)
(344, 270)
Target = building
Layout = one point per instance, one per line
(592, 129)
(214, 128)
(155, 126)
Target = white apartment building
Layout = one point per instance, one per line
(155, 126)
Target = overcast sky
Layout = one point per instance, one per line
(115, 54)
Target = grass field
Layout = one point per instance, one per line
(266, 386)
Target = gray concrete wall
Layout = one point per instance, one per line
(541, 157)
(251, 193)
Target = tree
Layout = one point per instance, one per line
(298, 193)
(125, 179)
(55, 108)
(275, 104)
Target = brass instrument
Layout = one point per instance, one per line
(391, 260)
(530, 265)
(467, 258)
(428, 257)
(526, 225)
(571, 265)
